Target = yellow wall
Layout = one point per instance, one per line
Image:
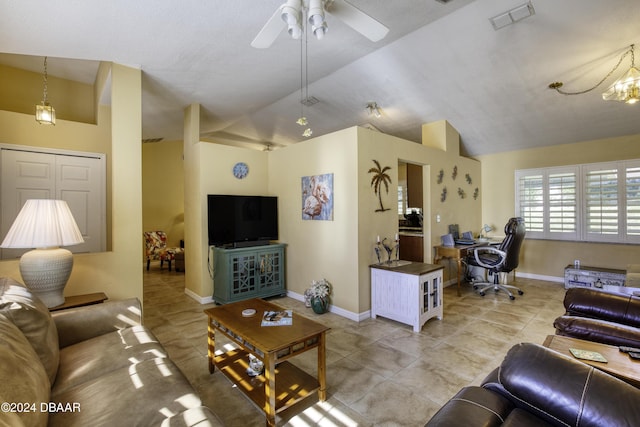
(208, 170)
(342, 250)
(21, 90)
(320, 249)
(439, 151)
(547, 257)
(163, 189)
(117, 272)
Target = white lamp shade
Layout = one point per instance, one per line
(43, 223)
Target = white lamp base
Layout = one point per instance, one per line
(45, 272)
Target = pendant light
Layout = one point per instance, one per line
(45, 113)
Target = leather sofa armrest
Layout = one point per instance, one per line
(82, 323)
(597, 330)
(472, 406)
(564, 391)
(611, 306)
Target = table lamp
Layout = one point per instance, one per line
(45, 225)
(486, 228)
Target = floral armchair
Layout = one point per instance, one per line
(156, 248)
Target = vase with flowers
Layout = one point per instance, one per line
(320, 291)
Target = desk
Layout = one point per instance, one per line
(457, 252)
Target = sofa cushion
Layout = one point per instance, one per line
(606, 305)
(32, 317)
(564, 391)
(521, 418)
(597, 330)
(94, 357)
(144, 393)
(23, 379)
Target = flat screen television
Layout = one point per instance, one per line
(236, 221)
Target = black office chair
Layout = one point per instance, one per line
(502, 259)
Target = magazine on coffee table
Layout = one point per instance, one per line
(277, 318)
(594, 356)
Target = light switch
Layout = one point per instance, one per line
(438, 218)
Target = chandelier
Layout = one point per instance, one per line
(626, 89)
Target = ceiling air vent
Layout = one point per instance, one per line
(151, 140)
(309, 101)
(512, 16)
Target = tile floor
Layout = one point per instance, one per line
(379, 372)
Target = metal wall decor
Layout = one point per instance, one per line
(380, 178)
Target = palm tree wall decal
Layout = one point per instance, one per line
(380, 178)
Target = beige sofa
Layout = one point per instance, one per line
(94, 365)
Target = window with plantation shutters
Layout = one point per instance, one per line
(596, 202)
(548, 201)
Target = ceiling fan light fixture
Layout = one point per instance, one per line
(372, 108)
(316, 19)
(292, 15)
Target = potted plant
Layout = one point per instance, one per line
(320, 291)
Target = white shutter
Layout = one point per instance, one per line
(602, 222)
(530, 200)
(563, 203)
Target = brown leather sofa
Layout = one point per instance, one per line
(89, 366)
(600, 316)
(535, 386)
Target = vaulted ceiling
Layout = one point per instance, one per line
(438, 61)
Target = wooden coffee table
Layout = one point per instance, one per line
(282, 384)
(618, 364)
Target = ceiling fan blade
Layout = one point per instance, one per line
(270, 31)
(357, 19)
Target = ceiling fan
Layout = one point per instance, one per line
(293, 13)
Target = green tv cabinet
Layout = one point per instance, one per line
(249, 272)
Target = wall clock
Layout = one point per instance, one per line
(240, 170)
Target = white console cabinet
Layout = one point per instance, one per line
(410, 293)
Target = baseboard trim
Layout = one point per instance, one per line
(356, 317)
(540, 277)
(198, 298)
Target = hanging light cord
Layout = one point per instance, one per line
(44, 78)
(557, 85)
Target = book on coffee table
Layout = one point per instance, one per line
(587, 355)
(277, 318)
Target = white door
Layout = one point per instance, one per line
(76, 178)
